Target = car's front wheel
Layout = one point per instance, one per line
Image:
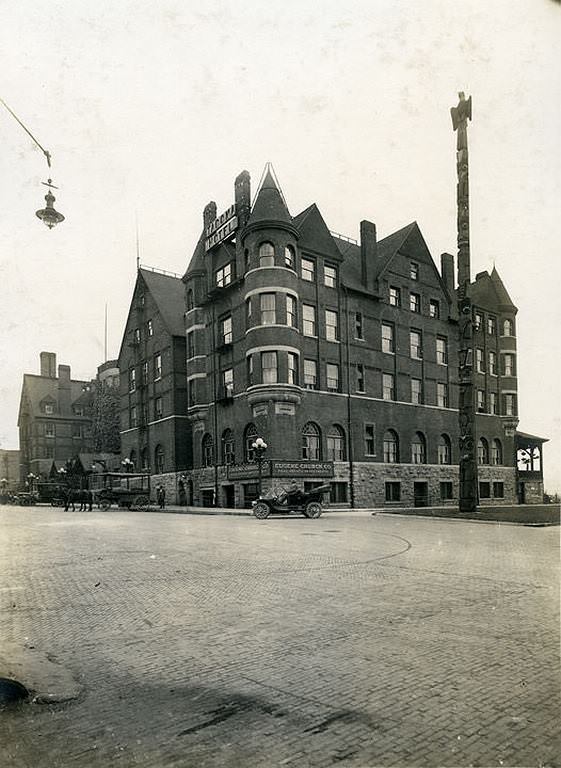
(261, 510)
(313, 509)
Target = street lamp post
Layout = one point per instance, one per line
(127, 464)
(259, 446)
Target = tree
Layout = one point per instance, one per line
(106, 424)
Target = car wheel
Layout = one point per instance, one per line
(313, 509)
(261, 510)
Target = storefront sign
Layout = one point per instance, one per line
(302, 468)
(248, 471)
(221, 228)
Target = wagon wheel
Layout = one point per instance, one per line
(313, 509)
(104, 502)
(141, 502)
(261, 510)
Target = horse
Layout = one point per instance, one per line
(73, 495)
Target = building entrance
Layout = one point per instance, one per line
(421, 494)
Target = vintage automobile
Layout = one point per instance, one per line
(282, 502)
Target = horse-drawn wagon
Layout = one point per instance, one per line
(128, 490)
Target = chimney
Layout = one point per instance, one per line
(209, 214)
(64, 393)
(368, 252)
(48, 364)
(447, 271)
(242, 197)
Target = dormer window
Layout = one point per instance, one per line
(49, 409)
(266, 255)
(78, 410)
(414, 270)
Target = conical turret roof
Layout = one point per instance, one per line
(269, 204)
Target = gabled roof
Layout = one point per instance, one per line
(168, 293)
(314, 233)
(197, 263)
(269, 204)
(488, 291)
(36, 389)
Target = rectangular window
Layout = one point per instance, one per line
(250, 373)
(358, 326)
(267, 304)
(434, 309)
(369, 440)
(137, 336)
(50, 452)
(388, 344)
(484, 490)
(492, 363)
(49, 430)
(291, 317)
(191, 345)
(508, 363)
(442, 395)
(479, 361)
(360, 378)
(331, 323)
(393, 491)
(415, 302)
(492, 402)
(441, 350)
(388, 386)
(499, 490)
(478, 321)
(158, 408)
(157, 366)
(510, 405)
(481, 401)
(145, 372)
(310, 374)
(228, 382)
(395, 296)
(446, 490)
(226, 330)
(132, 380)
(332, 377)
(150, 328)
(191, 392)
(224, 276)
(308, 270)
(491, 326)
(49, 409)
(292, 368)
(133, 417)
(414, 270)
(78, 410)
(269, 367)
(415, 345)
(308, 320)
(248, 311)
(330, 276)
(416, 391)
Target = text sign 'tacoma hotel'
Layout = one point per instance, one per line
(221, 228)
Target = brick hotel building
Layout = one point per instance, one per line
(342, 356)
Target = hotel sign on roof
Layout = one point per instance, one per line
(221, 228)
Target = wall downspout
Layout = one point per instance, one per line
(349, 410)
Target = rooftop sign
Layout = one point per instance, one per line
(221, 228)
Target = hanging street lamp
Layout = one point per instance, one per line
(48, 215)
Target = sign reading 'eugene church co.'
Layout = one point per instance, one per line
(221, 228)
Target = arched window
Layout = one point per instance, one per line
(444, 450)
(482, 451)
(289, 260)
(508, 328)
(391, 447)
(419, 449)
(159, 459)
(266, 255)
(311, 442)
(228, 456)
(336, 443)
(207, 450)
(248, 439)
(496, 452)
(190, 299)
(144, 460)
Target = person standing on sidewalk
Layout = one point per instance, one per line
(161, 496)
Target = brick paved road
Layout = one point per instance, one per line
(225, 641)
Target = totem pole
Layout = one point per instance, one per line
(468, 458)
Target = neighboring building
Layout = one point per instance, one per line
(342, 356)
(155, 433)
(55, 418)
(9, 469)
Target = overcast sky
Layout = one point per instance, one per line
(152, 108)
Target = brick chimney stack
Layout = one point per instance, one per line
(368, 253)
(64, 393)
(209, 213)
(242, 197)
(447, 271)
(48, 364)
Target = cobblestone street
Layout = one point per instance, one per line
(351, 640)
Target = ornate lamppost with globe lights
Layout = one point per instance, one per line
(259, 446)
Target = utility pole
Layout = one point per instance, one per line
(466, 410)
